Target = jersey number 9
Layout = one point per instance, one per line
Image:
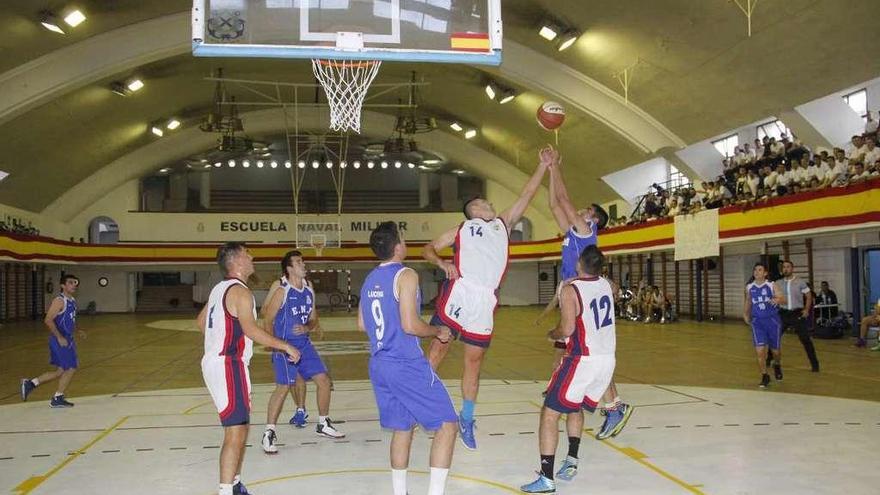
(376, 309)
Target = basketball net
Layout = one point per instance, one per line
(318, 242)
(346, 83)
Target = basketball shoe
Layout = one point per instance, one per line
(299, 418)
(466, 433)
(60, 401)
(568, 470)
(27, 387)
(615, 421)
(777, 371)
(541, 485)
(268, 442)
(765, 380)
(326, 429)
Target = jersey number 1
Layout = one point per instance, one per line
(604, 303)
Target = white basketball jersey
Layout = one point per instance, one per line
(224, 337)
(481, 252)
(595, 332)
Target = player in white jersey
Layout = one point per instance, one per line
(587, 307)
(468, 300)
(229, 324)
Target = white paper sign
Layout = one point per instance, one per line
(696, 236)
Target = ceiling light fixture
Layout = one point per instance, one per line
(342, 164)
(260, 163)
(287, 164)
(315, 164)
(370, 164)
(356, 164)
(134, 85)
(490, 91)
(231, 163)
(507, 96)
(246, 163)
(431, 161)
(50, 22)
(549, 31)
(329, 164)
(470, 133)
(384, 164)
(119, 88)
(74, 18)
(218, 164)
(173, 124)
(273, 164)
(411, 165)
(397, 164)
(301, 164)
(207, 165)
(156, 130)
(456, 126)
(568, 39)
(164, 170)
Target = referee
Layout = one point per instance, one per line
(796, 310)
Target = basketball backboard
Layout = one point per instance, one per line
(447, 31)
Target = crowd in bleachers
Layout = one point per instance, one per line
(770, 169)
(18, 226)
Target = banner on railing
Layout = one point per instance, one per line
(696, 236)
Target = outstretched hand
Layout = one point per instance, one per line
(549, 156)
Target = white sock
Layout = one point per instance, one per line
(236, 480)
(322, 419)
(225, 489)
(614, 403)
(438, 481)
(35, 381)
(398, 481)
(270, 427)
(59, 394)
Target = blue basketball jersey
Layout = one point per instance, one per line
(572, 246)
(65, 321)
(380, 311)
(295, 311)
(762, 300)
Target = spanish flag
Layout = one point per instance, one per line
(470, 42)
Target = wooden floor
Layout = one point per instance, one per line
(123, 354)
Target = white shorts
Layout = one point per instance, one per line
(468, 310)
(579, 382)
(229, 383)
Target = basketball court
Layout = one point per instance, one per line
(358, 112)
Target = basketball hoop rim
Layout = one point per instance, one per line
(346, 64)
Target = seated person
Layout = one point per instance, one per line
(868, 322)
(826, 297)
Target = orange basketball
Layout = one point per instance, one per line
(551, 115)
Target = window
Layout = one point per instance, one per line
(677, 179)
(773, 129)
(727, 145)
(858, 101)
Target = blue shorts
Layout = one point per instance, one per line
(63, 357)
(766, 332)
(408, 392)
(309, 364)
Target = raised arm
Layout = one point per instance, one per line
(565, 204)
(431, 252)
(558, 212)
(241, 305)
(512, 215)
(569, 307)
(407, 291)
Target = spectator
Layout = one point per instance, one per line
(870, 124)
(771, 181)
(857, 149)
(867, 322)
(798, 172)
(741, 182)
(859, 174)
(826, 297)
(815, 185)
(752, 181)
(759, 150)
(673, 208)
(749, 153)
(783, 180)
(777, 149)
(872, 152)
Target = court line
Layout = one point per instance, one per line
(33, 482)
(494, 484)
(640, 458)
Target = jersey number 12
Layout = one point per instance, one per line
(604, 304)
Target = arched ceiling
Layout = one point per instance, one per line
(697, 75)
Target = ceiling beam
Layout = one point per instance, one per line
(191, 141)
(124, 49)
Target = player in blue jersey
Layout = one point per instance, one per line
(61, 322)
(300, 416)
(294, 317)
(761, 311)
(407, 391)
(581, 228)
